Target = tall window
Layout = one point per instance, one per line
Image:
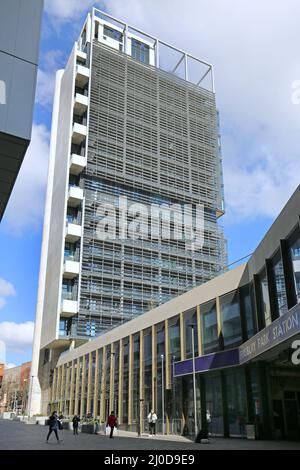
(281, 299)
(209, 328)
(136, 377)
(247, 305)
(231, 320)
(295, 255)
(160, 350)
(140, 51)
(190, 320)
(265, 299)
(125, 379)
(147, 371)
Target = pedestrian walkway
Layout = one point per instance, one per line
(19, 436)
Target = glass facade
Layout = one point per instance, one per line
(295, 256)
(140, 51)
(265, 299)
(147, 371)
(231, 320)
(125, 380)
(209, 327)
(248, 308)
(227, 398)
(236, 399)
(214, 410)
(161, 371)
(190, 324)
(136, 378)
(278, 273)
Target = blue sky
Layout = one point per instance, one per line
(254, 49)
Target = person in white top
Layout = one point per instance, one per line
(152, 418)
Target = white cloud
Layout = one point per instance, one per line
(52, 61)
(17, 337)
(26, 204)
(254, 47)
(6, 290)
(10, 365)
(67, 9)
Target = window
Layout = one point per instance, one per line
(209, 328)
(147, 371)
(64, 326)
(190, 319)
(231, 320)
(113, 34)
(295, 255)
(265, 299)
(248, 309)
(140, 51)
(174, 338)
(281, 299)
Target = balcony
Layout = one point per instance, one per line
(71, 269)
(75, 197)
(81, 56)
(73, 232)
(81, 103)
(82, 75)
(69, 308)
(79, 133)
(77, 164)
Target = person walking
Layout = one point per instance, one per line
(53, 426)
(75, 421)
(152, 419)
(112, 423)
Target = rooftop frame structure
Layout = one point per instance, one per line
(185, 58)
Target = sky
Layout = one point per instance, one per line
(254, 47)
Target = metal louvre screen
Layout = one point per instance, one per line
(153, 138)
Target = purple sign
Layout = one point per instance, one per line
(214, 361)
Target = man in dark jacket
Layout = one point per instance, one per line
(53, 426)
(112, 423)
(75, 421)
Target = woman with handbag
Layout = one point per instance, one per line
(112, 423)
(54, 425)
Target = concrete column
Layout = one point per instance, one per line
(72, 383)
(53, 393)
(88, 398)
(67, 390)
(96, 385)
(112, 378)
(154, 371)
(63, 387)
(168, 372)
(199, 331)
(34, 398)
(130, 380)
(103, 387)
(77, 387)
(142, 368)
(82, 385)
(121, 362)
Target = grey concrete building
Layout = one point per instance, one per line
(20, 25)
(134, 119)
